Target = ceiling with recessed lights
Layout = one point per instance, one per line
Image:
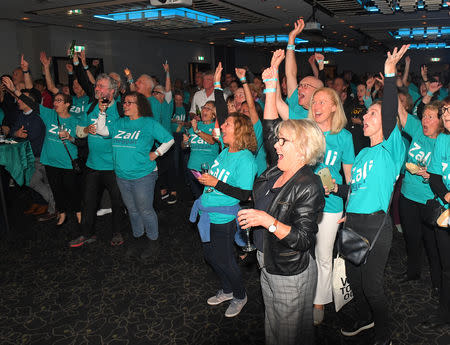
(341, 24)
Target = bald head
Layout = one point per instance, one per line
(306, 88)
(144, 85)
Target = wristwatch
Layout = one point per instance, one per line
(272, 228)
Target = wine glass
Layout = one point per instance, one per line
(249, 246)
(423, 164)
(204, 168)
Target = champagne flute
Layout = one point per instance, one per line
(249, 246)
(423, 164)
(204, 168)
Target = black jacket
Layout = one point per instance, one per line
(297, 204)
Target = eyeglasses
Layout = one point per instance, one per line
(281, 140)
(58, 100)
(445, 109)
(207, 108)
(305, 85)
(129, 103)
(158, 92)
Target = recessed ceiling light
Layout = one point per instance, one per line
(424, 16)
(342, 21)
(339, 42)
(190, 40)
(334, 32)
(242, 33)
(211, 42)
(424, 23)
(79, 25)
(345, 36)
(165, 33)
(223, 29)
(277, 7)
(351, 27)
(352, 39)
(287, 24)
(25, 18)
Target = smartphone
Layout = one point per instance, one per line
(196, 173)
(326, 178)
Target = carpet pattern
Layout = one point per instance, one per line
(53, 294)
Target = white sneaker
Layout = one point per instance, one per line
(220, 297)
(103, 211)
(235, 307)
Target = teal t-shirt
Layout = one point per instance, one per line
(100, 148)
(414, 92)
(53, 152)
(162, 112)
(79, 106)
(296, 111)
(374, 173)
(178, 115)
(132, 141)
(440, 159)
(237, 169)
(420, 150)
(201, 151)
(339, 150)
(261, 161)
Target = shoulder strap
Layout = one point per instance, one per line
(64, 143)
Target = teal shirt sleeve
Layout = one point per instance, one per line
(296, 111)
(348, 152)
(367, 101)
(413, 125)
(161, 134)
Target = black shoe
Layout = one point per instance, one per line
(357, 327)
(135, 247)
(172, 199)
(248, 260)
(151, 251)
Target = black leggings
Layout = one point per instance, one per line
(219, 253)
(415, 232)
(443, 244)
(66, 188)
(167, 175)
(367, 280)
(95, 182)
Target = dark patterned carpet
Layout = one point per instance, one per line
(52, 294)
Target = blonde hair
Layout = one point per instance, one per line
(244, 134)
(338, 119)
(308, 138)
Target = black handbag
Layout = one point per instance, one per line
(432, 210)
(355, 247)
(77, 164)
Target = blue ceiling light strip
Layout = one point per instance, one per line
(268, 39)
(433, 45)
(319, 50)
(164, 13)
(421, 32)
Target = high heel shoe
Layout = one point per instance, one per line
(63, 222)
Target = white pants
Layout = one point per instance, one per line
(325, 237)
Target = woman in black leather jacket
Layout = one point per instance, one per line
(288, 199)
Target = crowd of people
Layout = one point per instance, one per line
(291, 160)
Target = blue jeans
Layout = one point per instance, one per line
(137, 196)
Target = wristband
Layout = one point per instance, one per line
(270, 90)
(218, 88)
(271, 79)
(130, 81)
(243, 79)
(25, 71)
(69, 73)
(86, 67)
(167, 75)
(429, 93)
(217, 83)
(319, 61)
(157, 153)
(290, 47)
(76, 63)
(388, 75)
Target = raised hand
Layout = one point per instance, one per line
(23, 64)
(83, 57)
(45, 61)
(319, 57)
(270, 73)
(8, 83)
(434, 86)
(240, 72)
(218, 73)
(380, 79)
(166, 67)
(408, 60)
(277, 58)
(69, 67)
(370, 82)
(298, 28)
(393, 58)
(312, 59)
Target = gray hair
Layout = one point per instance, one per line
(113, 85)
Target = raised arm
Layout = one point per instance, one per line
(320, 60)
(168, 88)
(291, 64)
(26, 73)
(82, 78)
(406, 71)
(240, 73)
(312, 63)
(86, 67)
(130, 80)
(45, 61)
(389, 107)
(221, 105)
(11, 88)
